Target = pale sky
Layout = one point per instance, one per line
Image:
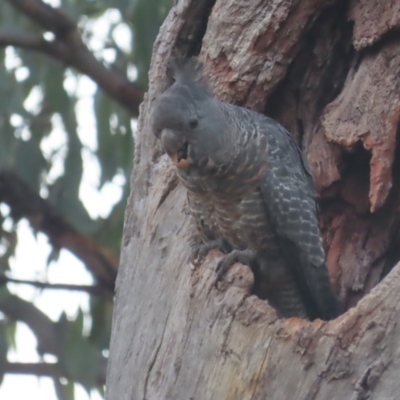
(30, 261)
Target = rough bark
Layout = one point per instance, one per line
(329, 72)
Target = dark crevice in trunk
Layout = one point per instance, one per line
(316, 75)
(371, 240)
(189, 41)
(354, 184)
(393, 253)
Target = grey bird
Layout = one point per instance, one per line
(250, 193)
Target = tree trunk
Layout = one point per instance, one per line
(329, 71)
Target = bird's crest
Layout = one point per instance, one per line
(188, 72)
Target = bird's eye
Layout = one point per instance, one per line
(193, 123)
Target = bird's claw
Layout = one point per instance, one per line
(244, 257)
(223, 267)
(200, 252)
(198, 255)
(195, 258)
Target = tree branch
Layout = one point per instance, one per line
(40, 369)
(32, 41)
(44, 369)
(91, 289)
(49, 18)
(69, 49)
(48, 336)
(40, 324)
(26, 203)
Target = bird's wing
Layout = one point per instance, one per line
(290, 200)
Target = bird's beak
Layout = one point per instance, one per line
(177, 149)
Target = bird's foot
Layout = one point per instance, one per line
(243, 256)
(200, 252)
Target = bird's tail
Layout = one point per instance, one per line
(275, 283)
(325, 303)
(294, 296)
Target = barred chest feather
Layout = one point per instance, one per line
(242, 222)
(231, 207)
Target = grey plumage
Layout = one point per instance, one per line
(250, 192)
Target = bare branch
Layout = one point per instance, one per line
(45, 369)
(69, 49)
(26, 203)
(40, 324)
(91, 289)
(47, 335)
(40, 369)
(49, 18)
(32, 41)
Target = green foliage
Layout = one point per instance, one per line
(3, 348)
(36, 102)
(8, 243)
(64, 390)
(79, 358)
(101, 313)
(11, 330)
(146, 18)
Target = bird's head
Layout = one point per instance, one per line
(189, 122)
